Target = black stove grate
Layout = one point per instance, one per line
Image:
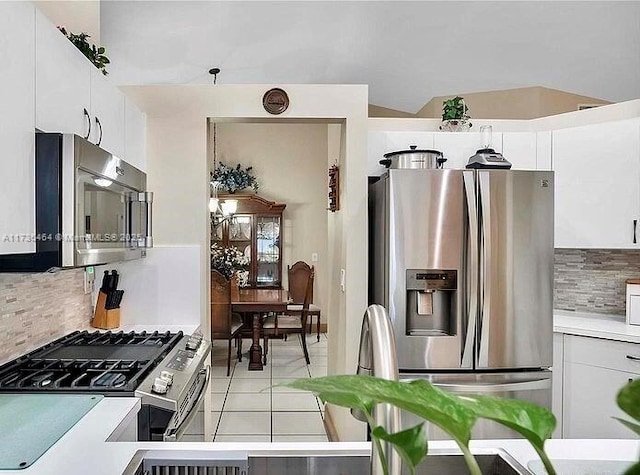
(108, 363)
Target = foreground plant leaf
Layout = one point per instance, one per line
(628, 399)
(533, 422)
(411, 444)
(418, 397)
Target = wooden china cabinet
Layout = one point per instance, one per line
(255, 229)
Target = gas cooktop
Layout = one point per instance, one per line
(107, 363)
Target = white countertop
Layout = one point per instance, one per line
(84, 449)
(609, 327)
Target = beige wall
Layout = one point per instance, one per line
(379, 111)
(290, 162)
(177, 172)
(522, 103)
(77, 16)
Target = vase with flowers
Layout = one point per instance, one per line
(231, 263)
(232, 179)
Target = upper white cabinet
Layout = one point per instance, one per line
(597, 177)
(135, 135)
(17, 122)
(63, 82)
(73, 96)
(520, 148)
(459, 146)
(107, 114)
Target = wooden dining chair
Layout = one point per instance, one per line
(298, 274)
(277, 325)
(225, 324)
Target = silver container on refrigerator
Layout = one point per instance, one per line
(463, 262)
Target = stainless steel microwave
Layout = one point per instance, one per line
(91, 207)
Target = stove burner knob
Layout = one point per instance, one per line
(167, 376)
(193, 343)
(160, 386)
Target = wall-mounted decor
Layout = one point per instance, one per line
(334, 188)
(232, 179)
(275, 101)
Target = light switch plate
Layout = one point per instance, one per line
(343, 275)
(314, 257)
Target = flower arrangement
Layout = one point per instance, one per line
(234, 179)
(229, 261)
(93, 53)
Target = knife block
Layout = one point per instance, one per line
(103, 318)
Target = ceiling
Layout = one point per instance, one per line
(407, 52)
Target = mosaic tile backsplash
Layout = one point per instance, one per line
(593, 280)
(38, 308)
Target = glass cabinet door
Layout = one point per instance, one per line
(268, 251)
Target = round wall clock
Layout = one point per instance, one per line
(275, 101)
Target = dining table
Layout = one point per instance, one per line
(257, 303)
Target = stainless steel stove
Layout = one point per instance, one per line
(168, 371)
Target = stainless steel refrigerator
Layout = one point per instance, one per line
(463, 262)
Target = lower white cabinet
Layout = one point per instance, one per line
(594, 370)
(556, 382)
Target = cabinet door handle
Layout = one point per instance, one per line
(86, 113)
(635, 225)
(633, 358)
(99, 125)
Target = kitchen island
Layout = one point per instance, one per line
(91, 446)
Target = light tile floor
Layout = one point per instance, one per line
(247, 409)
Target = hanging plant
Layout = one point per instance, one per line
(93, 53)
(232, 179)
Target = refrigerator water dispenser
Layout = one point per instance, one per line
(431, 297)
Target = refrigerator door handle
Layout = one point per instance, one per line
(485, 280)
(535, 384)
(472, 270)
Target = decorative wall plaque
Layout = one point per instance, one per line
(275, 101)
(334, 188)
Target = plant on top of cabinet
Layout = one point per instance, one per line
(234, 179)
(93, 53)
(455, 115)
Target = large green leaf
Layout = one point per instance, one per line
(633, 470)
(629, 399)
(411, 444)
(418, 397)
(533, 422)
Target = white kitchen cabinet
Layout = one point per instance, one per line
(135, 134)
(459, 146)
(107, 114)
(519, 148)
(556, 382)
(597, 177)
(63, 82)
(594, 371)
(544, 150)
(17, 123)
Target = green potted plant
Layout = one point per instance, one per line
(454, 414)
(628, 400)
(92, 52)
(455, 115)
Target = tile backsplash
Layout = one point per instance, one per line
(593, 280)
(38, 308)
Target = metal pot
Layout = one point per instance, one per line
(413, 158)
